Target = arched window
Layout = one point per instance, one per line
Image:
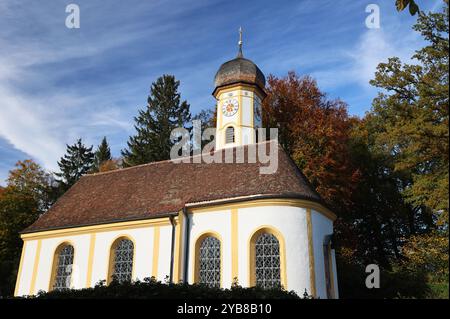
(267, 251)
(122, 252)
(229, 135)
(208, 263)
(63, 265)
(267, 259)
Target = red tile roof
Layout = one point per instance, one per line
(161, 188)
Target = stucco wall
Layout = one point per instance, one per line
(26, 274)
(289, 221)
(322, 226)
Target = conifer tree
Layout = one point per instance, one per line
(102, 154)
(77, 161)
(164, 112)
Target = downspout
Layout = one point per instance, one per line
(186, 252)
(172, 248)
(327, 243)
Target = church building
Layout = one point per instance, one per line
(197, 222)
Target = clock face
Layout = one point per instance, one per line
(230, 107)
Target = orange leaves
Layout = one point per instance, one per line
(314, 131)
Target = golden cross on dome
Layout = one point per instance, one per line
(240, 55)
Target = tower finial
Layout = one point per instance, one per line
(240, 54)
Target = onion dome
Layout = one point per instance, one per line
(239, 70)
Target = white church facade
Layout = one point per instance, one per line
(211, 223)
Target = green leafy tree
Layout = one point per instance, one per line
(399, 217)
(78, 161)
(102, 154)
(24, 199)
(413, 114)
(154, 124)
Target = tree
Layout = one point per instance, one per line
(403, 4)
(78, 161)
(29, 178)
(315, 132)
(23, 200)
(208, 118)
(154, 124)
(413, 116)
(102, 154)
(109, 165)
(399, 213)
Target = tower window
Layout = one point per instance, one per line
(229, 135)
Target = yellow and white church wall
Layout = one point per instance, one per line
(92, 251)
(302, 265)
(300, 227)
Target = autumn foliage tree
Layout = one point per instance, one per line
(27, 195)
(315, 131)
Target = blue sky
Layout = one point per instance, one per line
(58, 84)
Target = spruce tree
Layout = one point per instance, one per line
(164, 112)
(102, 154)
(77, 161)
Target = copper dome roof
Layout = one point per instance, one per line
(239, 70)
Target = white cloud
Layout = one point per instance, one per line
(28, 130)
(376, 46)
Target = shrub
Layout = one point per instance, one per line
(150, 288)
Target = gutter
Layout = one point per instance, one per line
(256, 197)
(112, 221)
(328, 240)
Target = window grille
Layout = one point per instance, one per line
(209, 263)
(63, 271)
(267, 261)
(123, 261)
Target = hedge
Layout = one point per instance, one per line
(150, 288)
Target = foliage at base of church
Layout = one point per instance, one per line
(152, 289)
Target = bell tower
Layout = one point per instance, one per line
(239, 92)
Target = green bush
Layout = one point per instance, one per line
(152, 289)
(438, 290)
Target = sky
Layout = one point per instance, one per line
(59, 84)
